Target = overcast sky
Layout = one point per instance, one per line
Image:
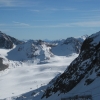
(49, 19)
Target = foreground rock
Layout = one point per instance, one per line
(86, 65)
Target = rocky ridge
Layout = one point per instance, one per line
(85, 66)
(8, 42)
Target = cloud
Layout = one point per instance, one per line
(52, 9)
(87, 24)
(16, 3)
(35, 10)
(21, 24)
(90, 24)
(76, 24)
(4, 3)
(96, 10)
(15, 24)
(2, 24)
(62, 9)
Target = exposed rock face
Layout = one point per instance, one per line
(8, 42)
(2, 66)
(87, 63)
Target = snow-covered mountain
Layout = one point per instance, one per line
(67, 47)
(83, 72)
(8, 42)
(39, 51)
(31, 50)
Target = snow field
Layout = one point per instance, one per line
(24, 77)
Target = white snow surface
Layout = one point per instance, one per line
(22, 77)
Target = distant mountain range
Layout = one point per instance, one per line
(39, 49)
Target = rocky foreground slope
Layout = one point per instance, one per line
(86, 65)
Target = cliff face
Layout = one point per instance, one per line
(86, 64)
(8, 42)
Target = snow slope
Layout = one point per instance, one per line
(27, 76)
(30, 50)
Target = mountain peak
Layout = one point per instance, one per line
(7, 41)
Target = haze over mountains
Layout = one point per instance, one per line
(45, 68)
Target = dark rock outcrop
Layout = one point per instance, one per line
(2, 66)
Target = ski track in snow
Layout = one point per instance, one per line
(24, 77)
